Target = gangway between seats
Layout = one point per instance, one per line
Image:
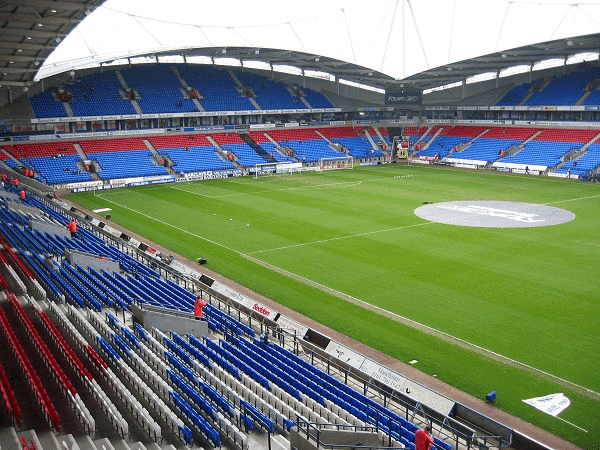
(429, 142)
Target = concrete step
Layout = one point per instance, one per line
(31, 438)
(121, 445)
(85, 442)
(104, 444)
(48, 440)
(68, 442)
(137, 446)
(9, 439)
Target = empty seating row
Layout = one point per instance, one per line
(137, 363)
(102, 399)
(31, 377)
(186, 360)
(8, 395)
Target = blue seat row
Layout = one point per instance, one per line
(227, 321)
(282, 375)
(209, 432)
(214, 356)
(204, 360)
(193, 395)
(339, 393)
(284, 381)
(91, 289)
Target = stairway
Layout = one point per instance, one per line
(585, 95)
(125, 87)
(374, 145)
(10, 155)
(158, 158)
(186, 88)
(534, 90)
(430, 141)
(257, 148)
(239, 84)
(68, 109)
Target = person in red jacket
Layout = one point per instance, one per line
(22, 195)
(72, 227)
(200, 304)
(423, 440)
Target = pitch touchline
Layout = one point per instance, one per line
(415, 324)
(337, 238)
(329, 185)
(366, 304)
(174, 226)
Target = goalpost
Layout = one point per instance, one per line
(343, 162)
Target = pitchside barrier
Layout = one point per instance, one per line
(268, 169)
(345, 162)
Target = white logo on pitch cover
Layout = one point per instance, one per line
(494, 212)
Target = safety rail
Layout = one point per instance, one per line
(314, 431)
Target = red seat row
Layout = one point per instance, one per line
(15, 260)
(9, 397)
(31, 375)
(47, 356)
(185, 140)
(64, 345)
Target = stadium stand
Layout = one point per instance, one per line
(270, 94)
(218, 388)
(217, 89)
(45, 105)
(168, 89)
(565, 90)
(159, 90)
(99, 94)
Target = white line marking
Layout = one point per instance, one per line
(370, 305)
(301, 188)
(572, 424)
(366, 233)
(183, 230)
(572, 199)
(416, 324)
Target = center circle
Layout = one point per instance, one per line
(494, 214)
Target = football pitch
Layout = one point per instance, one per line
(516, 310)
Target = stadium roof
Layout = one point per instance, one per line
(377, 44)
(30, 30)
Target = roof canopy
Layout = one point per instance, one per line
(426, 42)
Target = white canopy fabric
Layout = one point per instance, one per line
(396, 37)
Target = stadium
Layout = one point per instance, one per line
(248, 226)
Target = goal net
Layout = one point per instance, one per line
(344, 162)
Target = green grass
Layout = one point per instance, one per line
(530, 294)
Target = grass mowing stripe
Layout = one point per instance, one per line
(430, 330)
(530, 295)
(366, 233)
(171, 225)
